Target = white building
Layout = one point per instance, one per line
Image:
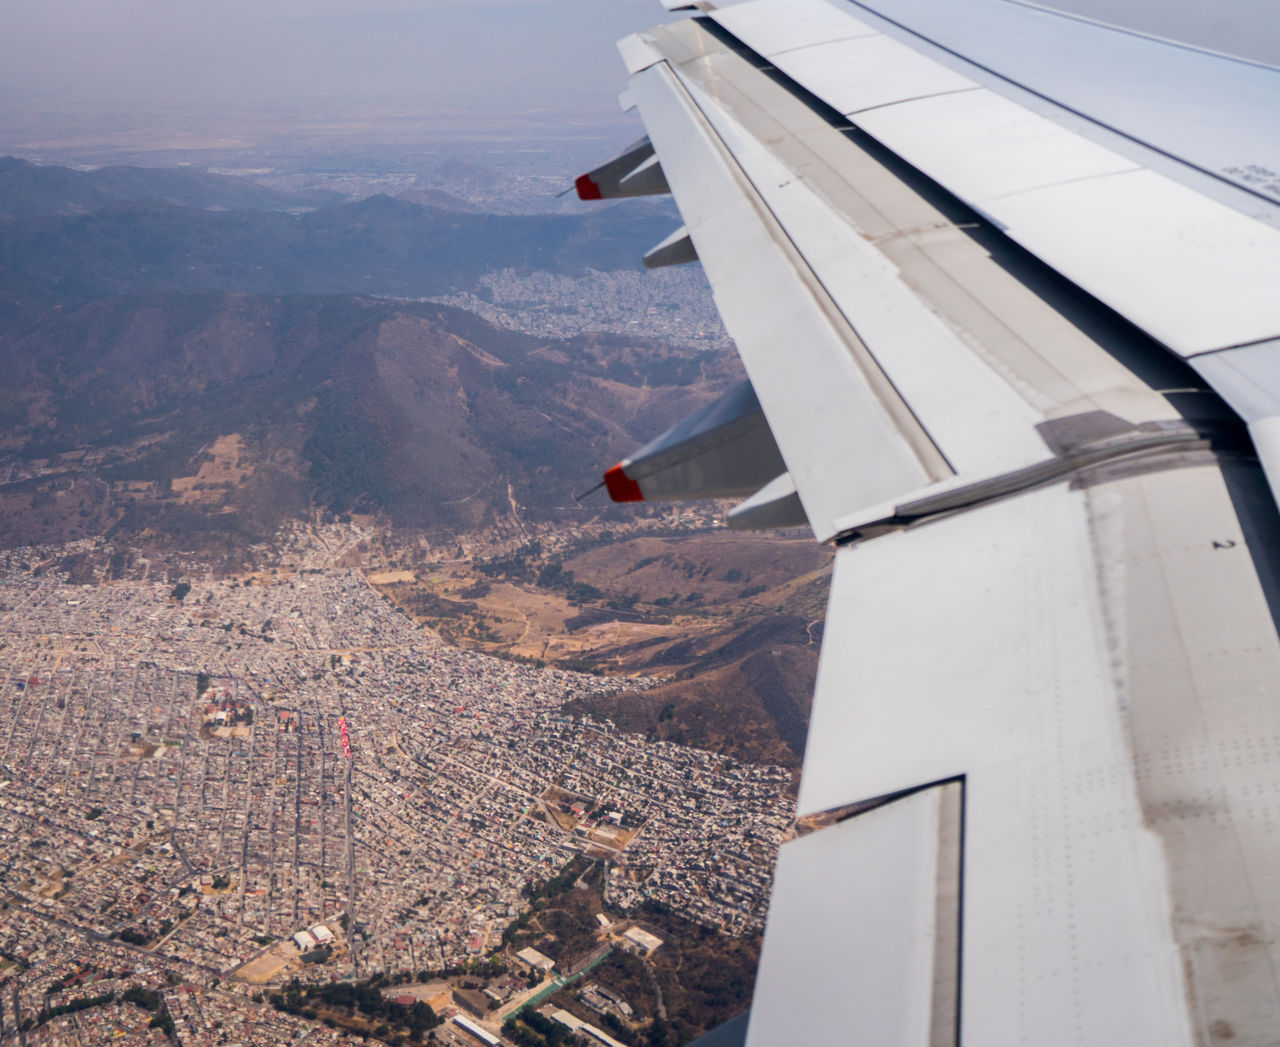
(535, 959)
(645, 941)
(483, 1035)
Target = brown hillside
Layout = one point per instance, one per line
(421, 414)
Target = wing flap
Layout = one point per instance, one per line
(863, 928)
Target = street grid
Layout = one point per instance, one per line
(129, 804)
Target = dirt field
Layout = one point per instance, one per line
(222, 468)
(266, 967)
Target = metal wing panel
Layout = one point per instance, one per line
(923, 712)
(809, 24)
(1098, 662)
(962, 355)
(1193, 272)
(768, 235)
(1004, 678)
(970, 414)
(988, 146)
(1214, 113)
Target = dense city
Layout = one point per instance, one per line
(214, 787)
(671, 304)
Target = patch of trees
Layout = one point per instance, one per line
(559, 883)
(574, 931)
(153, 1001)
(669, 370)
(554, 576)
(17, 961)
(531, 1029)
(147, 999)
(83, 1004)
(518, 565)
(618, 1028)
(426, 604)
(706, 977)
(577, 665)
(361, 998)
(490, 967)
(348, 456)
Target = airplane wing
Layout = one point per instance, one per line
(1006, 286)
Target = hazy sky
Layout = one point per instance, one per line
(333, 58)
(316, 56)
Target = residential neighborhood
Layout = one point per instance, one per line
(212, 787)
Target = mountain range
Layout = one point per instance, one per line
(137, 335)
(29, 190)
(376, 246)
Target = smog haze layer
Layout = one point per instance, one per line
(178, 81)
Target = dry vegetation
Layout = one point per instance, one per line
(730, 622)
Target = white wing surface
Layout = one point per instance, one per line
(1006, 285)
